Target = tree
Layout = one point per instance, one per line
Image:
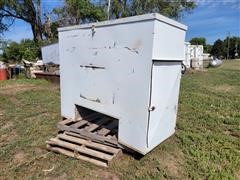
(78, 11)
(229, 44)
(172, 9)
(26, 49)
(233, 45)
(198, 41)
(81, 11)
(26, 10)
(201, 41)
(208, 48)
(218, 49)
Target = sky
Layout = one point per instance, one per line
(212, 19)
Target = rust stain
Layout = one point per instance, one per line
(89, 99)
(137, 44)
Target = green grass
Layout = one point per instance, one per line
(205, 145)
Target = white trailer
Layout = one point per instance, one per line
(187, 53)
(193, 56)
(129, 69)
(196, 53)
(50, 54)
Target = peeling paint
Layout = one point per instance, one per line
(132, 50)
(75, 35)
(97, 100)
(113, 98)
(92, 67)
(73, 49)
(98, 48)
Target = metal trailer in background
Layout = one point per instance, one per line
(197, 56)
(50, 54)
(193, 56)
(128, 69)
(187, 53)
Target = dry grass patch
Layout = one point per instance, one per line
(19, 157)
(225, 88)
(8, 137)
(104, 175)
(172, 163)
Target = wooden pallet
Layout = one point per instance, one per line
(92, 138)
(96, 153)
(95, 127)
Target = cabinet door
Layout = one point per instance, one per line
(164, 101)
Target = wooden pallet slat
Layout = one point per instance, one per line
(74, 155)
(88, 143)
(66, 121)
(79, 124)
(81, 149)
(107, 129)
(94, 126)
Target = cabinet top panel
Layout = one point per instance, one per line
(128, 20)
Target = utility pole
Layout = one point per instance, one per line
(228, 34)
(108, 9)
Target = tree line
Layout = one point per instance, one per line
(229, 48)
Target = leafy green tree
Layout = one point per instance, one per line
(201, 41)
(81, 11)
(218, 49)
(26, 10)
(26, 49)
(207, 48)
(78, 11)
(232, 44)
(172, 9)
(198, 41)
(229, 45)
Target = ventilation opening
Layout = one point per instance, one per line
(96, 123)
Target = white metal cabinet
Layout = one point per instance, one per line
(50, 53)
(107, 67)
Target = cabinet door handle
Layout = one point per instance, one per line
(152, 108)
